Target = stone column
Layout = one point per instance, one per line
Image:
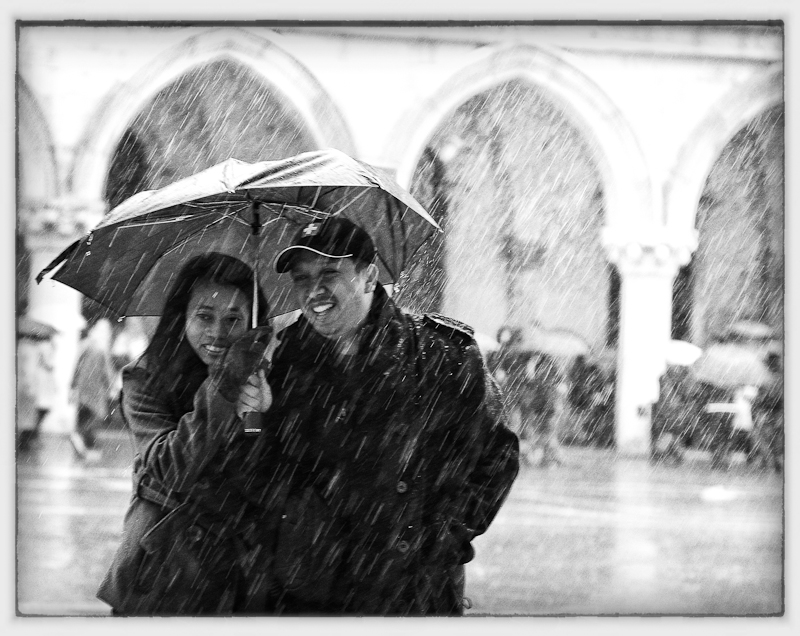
(48, 228)
(648, 262)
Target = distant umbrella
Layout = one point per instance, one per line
(558, 343)
(27, 327)
(731, 365)
(681, 353)
(750, 330)
(605, 359)
(486, 343)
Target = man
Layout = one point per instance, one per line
(387, 435)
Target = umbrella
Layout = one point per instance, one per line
(750, 330)
(681, 353)
(128, 262)
(731, 365)
(486, 343)
(558, 343)
(28, 327)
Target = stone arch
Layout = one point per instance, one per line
(37, 170)
(706, 142)
(293, 84)
(626, 179)
(745, 246)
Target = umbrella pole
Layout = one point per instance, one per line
(252, 420)
(256, 227)
(254, 311)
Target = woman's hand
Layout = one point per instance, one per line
(256, 396)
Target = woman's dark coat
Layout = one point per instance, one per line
(193, 540)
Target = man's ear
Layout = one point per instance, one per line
(371, 278)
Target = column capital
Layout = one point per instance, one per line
(649, 251)
(64, 217)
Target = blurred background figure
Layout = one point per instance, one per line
(591, 398)
(529, 380)
(672, 416)
(768, 419)
(539, 407)
(93, 387)
(35, 380)
(44, 383)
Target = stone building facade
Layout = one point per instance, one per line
(579, 171)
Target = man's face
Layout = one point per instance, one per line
(334, 297)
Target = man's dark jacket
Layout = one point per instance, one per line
(394, 459)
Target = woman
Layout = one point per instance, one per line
(194, 539)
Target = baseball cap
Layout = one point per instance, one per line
(334, 237)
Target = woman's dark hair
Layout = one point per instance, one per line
(168, 349)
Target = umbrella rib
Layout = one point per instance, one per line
(361, 194)
(316, 196)
(176, 219)
(200, 230)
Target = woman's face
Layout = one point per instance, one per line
(215, 317)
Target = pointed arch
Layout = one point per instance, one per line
(704, 145)
(627, 186)
(37, 170)
(294, 85)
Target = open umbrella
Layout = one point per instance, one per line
(731, 365)
(251, 211)
(486, 343)
(559, 343)
(28, 327)
(681, 353)
(750, 330)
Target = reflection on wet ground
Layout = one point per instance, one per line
(599, 534)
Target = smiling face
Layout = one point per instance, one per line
(215, 317)
(334, 297)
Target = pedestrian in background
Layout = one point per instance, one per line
(508, 366)
(36, 381)
(538, 402)
(44, 382)
(92, 388)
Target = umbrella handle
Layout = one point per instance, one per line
(252, 423)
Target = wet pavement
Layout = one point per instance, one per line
(598, 534)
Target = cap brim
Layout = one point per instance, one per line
(283, 259)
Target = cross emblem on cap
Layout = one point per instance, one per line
(311, 229)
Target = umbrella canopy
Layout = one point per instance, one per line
(558, 343)
(28, 327)
(681, 353)
(129, 261)
(486, 343)
(731, 365)
(750, 330)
